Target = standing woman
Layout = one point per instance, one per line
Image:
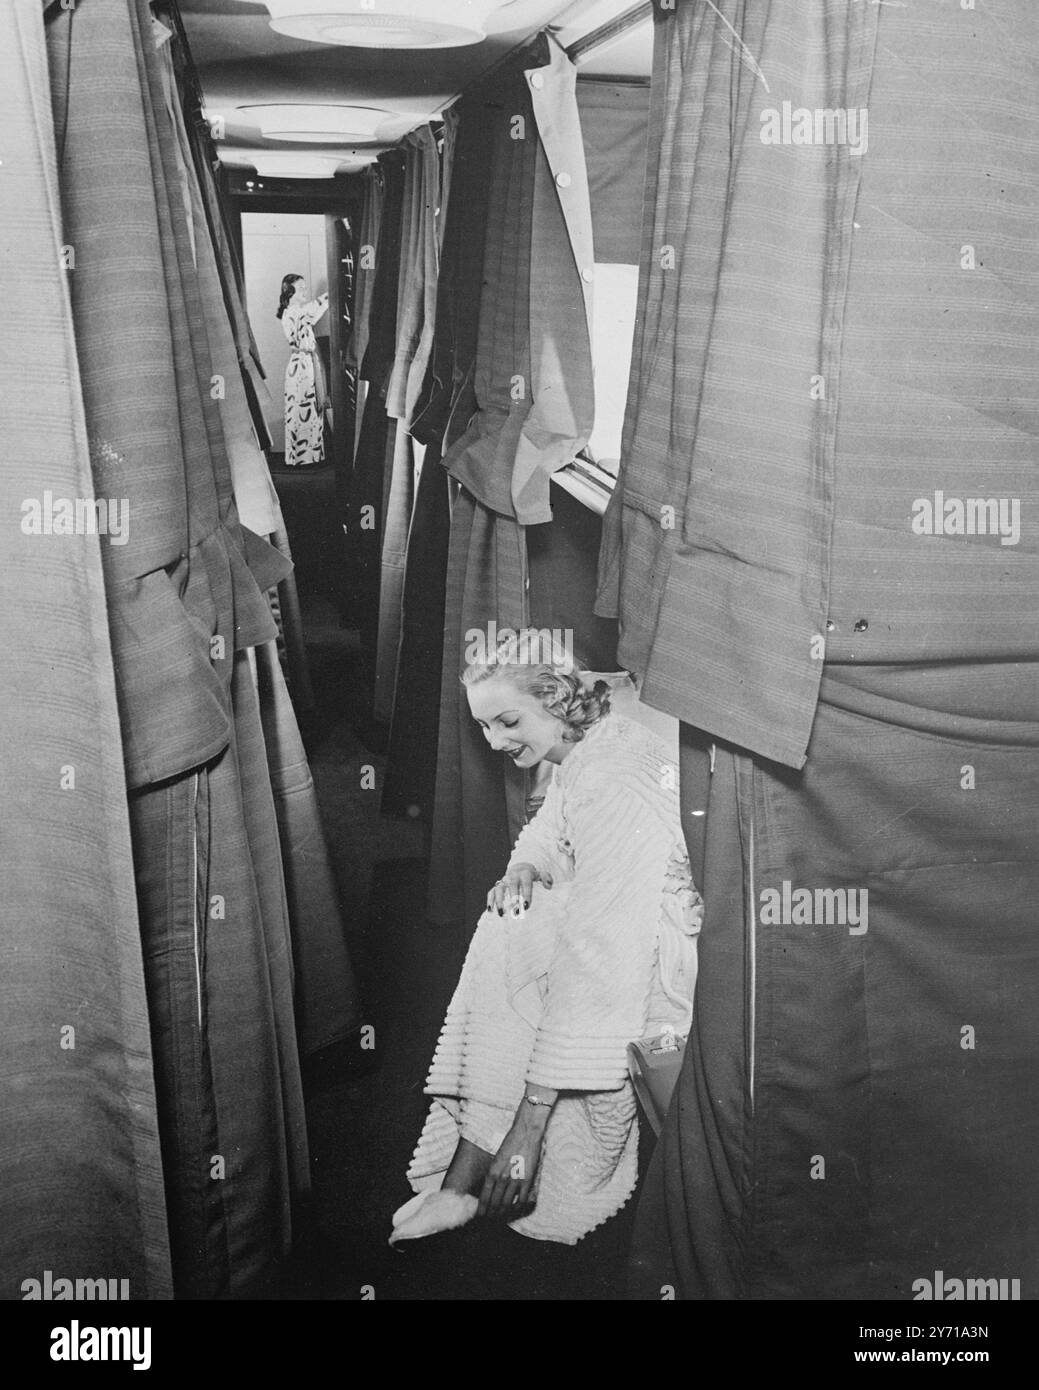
(304, 415)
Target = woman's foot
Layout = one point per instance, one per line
(454, 1203)
(431, 1211)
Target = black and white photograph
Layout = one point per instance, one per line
(519, 544)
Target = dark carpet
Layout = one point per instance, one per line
(365, 1105)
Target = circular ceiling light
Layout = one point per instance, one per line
(390, 24)
(318, 125)
(294, 166)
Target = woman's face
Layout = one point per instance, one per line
(516, 724)
(299, 289)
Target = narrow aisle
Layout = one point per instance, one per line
(365, 1111)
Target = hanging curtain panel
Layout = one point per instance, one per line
(417, 277)
(327, 1004)
(809, 394)
(373, 461)
(81, 1184)
(465, 183)
(254, 494)
(471, 821)
(186, 599)
(899, 1048)
(533, 376)
(562, 404)
(194, 138)
(535, 408)
(487, 561)
(399, 505)
(716, 542)
(416, 318)
(364, 286)
(410, 776)
(326, 997)
(220, 993)
(447, 392)
(365, 270)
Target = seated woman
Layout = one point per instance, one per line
(587, 944)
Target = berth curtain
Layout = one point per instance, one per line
(416, 316)
(186, 600)
(410, 777)
(326, 996)
(904, 1057)
(533, 371)
(366, 266)
(327, 1003)
(81, 1182)
(534, 409)
(372, 202)
(376, 444)
(716, 543)
(255, 497)
(903, 765)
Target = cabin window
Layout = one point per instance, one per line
(613, 332)
(614, 125)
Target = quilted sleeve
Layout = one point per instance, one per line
(601, 974)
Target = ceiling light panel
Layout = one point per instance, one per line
(383, 23)
(318, 124)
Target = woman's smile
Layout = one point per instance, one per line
(506, 714)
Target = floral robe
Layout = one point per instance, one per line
(304, 418)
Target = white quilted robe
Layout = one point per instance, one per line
(554, 996)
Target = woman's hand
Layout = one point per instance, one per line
(514, 891)
(509, 1185)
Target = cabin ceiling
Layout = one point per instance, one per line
(243, 62)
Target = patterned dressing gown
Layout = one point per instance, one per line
(554, 996)
(304, 420)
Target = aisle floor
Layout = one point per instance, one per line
(365, 1111)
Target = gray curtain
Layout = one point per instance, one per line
(81, 1182)
(855, 1110)
(186, 600)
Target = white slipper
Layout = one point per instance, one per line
(431, 1211)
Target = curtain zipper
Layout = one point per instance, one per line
(752, 956)
(194, 896)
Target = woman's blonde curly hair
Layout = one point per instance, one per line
(559, 687)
